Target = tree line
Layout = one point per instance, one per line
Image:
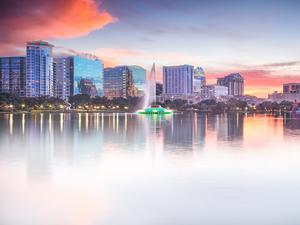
(10, 102)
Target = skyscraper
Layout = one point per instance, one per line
(234, 82)
(138, 78)
(118, 82)
(199, 80)
(13, 75)
(178, 81)
(80, 74)
(39, 69)
(62, 70)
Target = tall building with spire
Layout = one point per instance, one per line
(39, 69)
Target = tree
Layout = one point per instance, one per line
(80, 99)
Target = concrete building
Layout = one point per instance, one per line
(213, 91)
(234, 82)
(13, 75)
(118, 82)
(198, 80)
(81, 74)
(178, 81)
(139, 75)
(39, 69)
(291, 88)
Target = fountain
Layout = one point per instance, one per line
(150, 97)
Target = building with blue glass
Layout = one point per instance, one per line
(118, 82)
(39, 69)
(80, 74)
(13, 75)
(139, 75)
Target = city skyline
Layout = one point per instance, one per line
(253, 38)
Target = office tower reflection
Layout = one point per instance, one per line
(230, 126)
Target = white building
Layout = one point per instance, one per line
(213, 91)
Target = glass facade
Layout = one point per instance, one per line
(39, 69)
(139, 77)
(13, 75)
(87, 76)
(118, 82)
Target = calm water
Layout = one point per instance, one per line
(123, 169)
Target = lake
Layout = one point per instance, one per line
(127, 169)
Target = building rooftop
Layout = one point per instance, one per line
(39, 42)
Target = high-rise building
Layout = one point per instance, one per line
(62, 70)
(234, 82)
(291, 88)
(78, 75)
(139, 78)
(118, 82)
(13, 75)
(39, 69)
(178, 81)
(199, 80)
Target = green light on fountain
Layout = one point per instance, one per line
(155, 109)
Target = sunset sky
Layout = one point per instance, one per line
(259, 39)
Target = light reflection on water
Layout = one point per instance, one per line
(96, 168)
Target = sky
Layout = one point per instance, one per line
(259, 39)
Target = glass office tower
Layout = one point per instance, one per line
(139, 78)
(39, 69)
(118, 82)
(78, 75)
(13, 75)
(87, 76)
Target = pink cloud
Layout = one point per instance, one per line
(48, 19)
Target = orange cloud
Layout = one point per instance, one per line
(258, 81)
(21, 21)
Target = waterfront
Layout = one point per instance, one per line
(95, 168)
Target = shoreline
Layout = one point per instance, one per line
(133, 112)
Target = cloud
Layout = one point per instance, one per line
(262, 80)
(22, 21)
(283, 64)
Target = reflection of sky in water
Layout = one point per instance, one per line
(128, 169)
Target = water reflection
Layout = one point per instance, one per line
(79, 135)
(88, 165)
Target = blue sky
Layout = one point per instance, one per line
(249, 37)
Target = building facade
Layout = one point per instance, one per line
(62, 70)
(199, 80)
(118, 82)
(139, 75)
(178, 81)
(291, 88)
(39, 69)
(78, 75)
(13, 75)
(234, 82)
(213, 91)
